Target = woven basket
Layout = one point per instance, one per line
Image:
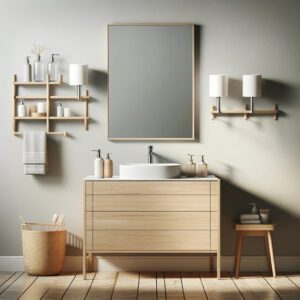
(43, 248)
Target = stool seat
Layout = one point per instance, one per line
(256, 227)
(264, 230)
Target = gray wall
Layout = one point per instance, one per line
(257, 159)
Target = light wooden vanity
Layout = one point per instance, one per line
(151, 216)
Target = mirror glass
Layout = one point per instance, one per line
(151, 82)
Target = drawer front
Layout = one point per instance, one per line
(89, 240)
(148, 203)
(151, 187)
(151, 221)
(214, 244)
(214, 220)
(214, 204)
(151, 241)
(89, 187)
(215, 186)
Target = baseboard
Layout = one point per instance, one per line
(162, 263)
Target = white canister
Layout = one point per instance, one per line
(67, 112)
(22, 109)
(41, 107)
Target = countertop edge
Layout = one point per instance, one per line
(208, 178)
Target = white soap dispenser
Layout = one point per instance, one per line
(98, 165)
(22, 109)
(27, 70)
(52, 68)
(59, 109)
(202, 168)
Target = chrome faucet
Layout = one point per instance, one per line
(150, 154)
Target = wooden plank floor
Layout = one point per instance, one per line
(148, 286)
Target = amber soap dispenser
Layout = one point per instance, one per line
(190, 169)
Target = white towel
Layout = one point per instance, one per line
(35, 152)
(31, 169)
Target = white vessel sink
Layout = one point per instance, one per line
(149, 171)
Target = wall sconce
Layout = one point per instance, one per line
(252, 88)
(218, 87)
(78, 75)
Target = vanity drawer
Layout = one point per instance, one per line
(151, 241)
(151, 221)
(148, 203)
(151, 187)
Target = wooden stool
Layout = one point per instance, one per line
(264, 230)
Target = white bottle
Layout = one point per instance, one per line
(27, 70)
(67, 112)
(98, 165)
(59, 110)
(21, 109)
(52, 69)
(38, 69)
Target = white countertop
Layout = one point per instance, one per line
(116, 178)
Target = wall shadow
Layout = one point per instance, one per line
(98, 79)
(234, 201)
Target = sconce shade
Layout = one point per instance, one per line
(78, 74)
(218, 85)
(252, 85)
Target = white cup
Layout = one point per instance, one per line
(67, 112)
(41, 107)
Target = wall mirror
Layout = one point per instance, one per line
(151, 82)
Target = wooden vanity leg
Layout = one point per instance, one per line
(84, 265)
(219, 265)
(90, 262)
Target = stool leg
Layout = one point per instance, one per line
(238, 254)
(267, 251)
(271, 254)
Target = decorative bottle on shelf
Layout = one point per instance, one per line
(22, 109)
(38, 69)
(52, 69)
(27, 70)
(59, 109)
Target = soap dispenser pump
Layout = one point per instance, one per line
(52, 68)
(108, 166)
(98, 165)
(202, 168)
(190, 167)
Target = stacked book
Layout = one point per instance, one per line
(249, 219)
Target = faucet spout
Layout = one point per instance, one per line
(150, 154)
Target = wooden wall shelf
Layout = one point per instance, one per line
(246, 112)
(48, 98)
